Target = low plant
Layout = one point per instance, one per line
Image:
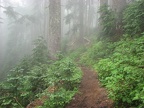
(35, 74)
(65, 76)
(122, 72)
(99, 50)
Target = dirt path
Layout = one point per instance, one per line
(90, 95)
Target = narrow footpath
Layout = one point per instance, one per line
(91, 94)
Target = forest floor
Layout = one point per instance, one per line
(91, 94)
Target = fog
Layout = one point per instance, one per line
(23, 21)
(71, 53)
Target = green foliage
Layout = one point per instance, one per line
(133, 18)
(120, 65)
(21, 88)
(59, 99)
(107, 20)
(31, 78)
(65, 76)
(26, 80)
(122, 74)
(75, 54)
(15, 92)
(101, 49)
(67, 73)
(40, 52)
(120, 69)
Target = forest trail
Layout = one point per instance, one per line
(91, 94)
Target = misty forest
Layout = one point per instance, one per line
(71, 53)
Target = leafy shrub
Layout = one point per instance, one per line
(65, 76)
(133, 18)
(67, 73)
(21, 88)
(108, 21)
(26, 79)
(122, 74)
(59, 99)
(33, 76)
(40, 52)
(99, 50)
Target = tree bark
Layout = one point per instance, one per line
(81, 20)
(54, 37)
(46, 19)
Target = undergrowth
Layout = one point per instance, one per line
(35, 74)
(120, 69)
(120, 65)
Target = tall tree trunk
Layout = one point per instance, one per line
(62, 16)
(90, 19)
(0, 37)
(54, 37)
(46, 19)
(81, 20)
